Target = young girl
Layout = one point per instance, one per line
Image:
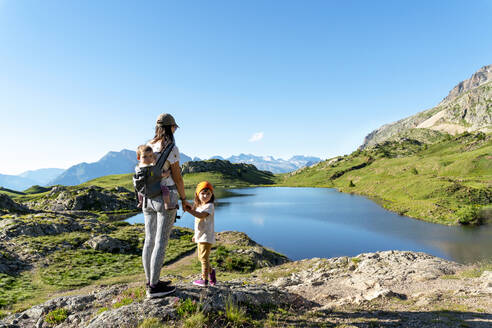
(203, 211)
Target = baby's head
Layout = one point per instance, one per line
(145, 154)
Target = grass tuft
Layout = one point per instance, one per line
(56, 317)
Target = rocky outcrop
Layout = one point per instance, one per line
(244, 246)
(91, 198)
(45, 225)
(480, 77)
(467, 108)
(83, 310)
(7, 205)
(247, 172)
(395, 288)
(344, 280)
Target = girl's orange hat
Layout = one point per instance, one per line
(204, 185)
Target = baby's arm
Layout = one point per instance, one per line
(200, 215)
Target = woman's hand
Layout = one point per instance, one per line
(186, 206)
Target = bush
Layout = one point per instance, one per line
(469, 215)
(414, 171)
(351, 184)
(56, 316)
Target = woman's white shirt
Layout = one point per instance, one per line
(171, 159)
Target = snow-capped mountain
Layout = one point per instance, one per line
(272, 164)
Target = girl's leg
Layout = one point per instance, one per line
(150, 217)
(204, 257)
(165, 221)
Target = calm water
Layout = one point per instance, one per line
(318, 222)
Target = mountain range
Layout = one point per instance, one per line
(124, 162)
(274, 165)
(467, 108)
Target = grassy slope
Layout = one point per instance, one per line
(220, 181)
(430, 185)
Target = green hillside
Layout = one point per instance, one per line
(439, 182)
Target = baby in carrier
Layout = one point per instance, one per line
(146, 157)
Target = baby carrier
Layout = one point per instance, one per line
(147, 180)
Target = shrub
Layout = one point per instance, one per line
(414, 171)
(469, 215)
(56, 316)
(235, 314)
(351, 184)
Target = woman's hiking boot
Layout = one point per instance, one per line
(160, 282)
(160, 290)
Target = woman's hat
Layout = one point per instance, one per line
(204, 185)
(165, 119)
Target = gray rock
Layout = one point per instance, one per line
(9, 206)
(109, 244)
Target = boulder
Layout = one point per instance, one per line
(108, 244)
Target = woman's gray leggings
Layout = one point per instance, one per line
(158, 225)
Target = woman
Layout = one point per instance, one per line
(158, 221)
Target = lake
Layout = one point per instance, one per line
(322, 222)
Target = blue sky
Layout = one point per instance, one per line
(81, 78)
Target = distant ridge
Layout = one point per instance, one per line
(42, 176)
(113, 162)
(467, 108)
(16, 182)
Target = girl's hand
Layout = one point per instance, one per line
(193, 239)
(186, 205)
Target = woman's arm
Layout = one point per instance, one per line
(178, 180)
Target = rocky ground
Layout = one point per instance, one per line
(90, 198)
(383, 289)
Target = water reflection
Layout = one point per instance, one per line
(320, 222)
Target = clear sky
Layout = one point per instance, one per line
(80, 78)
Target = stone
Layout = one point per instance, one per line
(109, 244)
